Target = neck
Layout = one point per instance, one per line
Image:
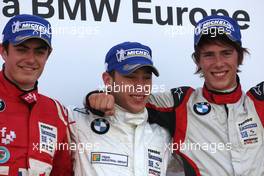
(226, 90)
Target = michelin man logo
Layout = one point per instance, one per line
(122, 54)
(36, 27)
(7, 138)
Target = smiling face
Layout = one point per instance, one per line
(219, 64)
(25, 62)
(131, 91)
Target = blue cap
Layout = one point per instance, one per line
(127, 57)
(23, 27)
(215, 25)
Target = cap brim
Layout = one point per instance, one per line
(23, 39)
(153, 69)
(204, 35)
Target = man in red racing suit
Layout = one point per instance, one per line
(33, 127)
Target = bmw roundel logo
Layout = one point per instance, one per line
(2, 105)
(202, 108)
(100, 126)
(4, 154)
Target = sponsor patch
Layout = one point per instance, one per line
(179, 92)
(4, 170)
(248, 131)
(31, 25)
(48, 138)
(202, 108)
(153, 173)
(109, 158)
(4, 154)
(30, 97)
(154, 162)
(2, 105)
(100, 126)
(7, 137)
(22, 172)
(122, 54)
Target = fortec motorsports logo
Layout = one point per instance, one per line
(37, 28)
(214, 27)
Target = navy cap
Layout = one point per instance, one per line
(127, 57)
(23, 27)
(215, 25)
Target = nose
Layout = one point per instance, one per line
(219, 60)
(30, 57)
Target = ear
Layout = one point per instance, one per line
(108, 79)
(3, 52)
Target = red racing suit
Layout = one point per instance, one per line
(214, 133)
(31, 127)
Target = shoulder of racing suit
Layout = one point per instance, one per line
(258, 91)
(179, 94)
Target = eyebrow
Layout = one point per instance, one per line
(37, 48)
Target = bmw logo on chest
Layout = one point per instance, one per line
(202, 108)
(100, 126)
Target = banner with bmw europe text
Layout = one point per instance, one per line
(83, 31)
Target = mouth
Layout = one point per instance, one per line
(219, 75)
(138, 98)
(27, 68)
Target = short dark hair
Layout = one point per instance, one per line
(219, 39)
(5, 46)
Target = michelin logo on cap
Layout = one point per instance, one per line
(214, 23)
(30, 25)
(122, 54)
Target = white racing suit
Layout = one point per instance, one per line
(121, 145)
(216, 134)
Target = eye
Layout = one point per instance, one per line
(21, 50)
(40, 52)
(228, 53)
(131, 76)
(207, 55)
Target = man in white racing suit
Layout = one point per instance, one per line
(124, 144)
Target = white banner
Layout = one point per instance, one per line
(83, 32)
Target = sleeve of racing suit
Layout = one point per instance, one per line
(160, 108)
(62, 163)
(80, 166)
(257, 96)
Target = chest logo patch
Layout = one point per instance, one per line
(109, 158)
(202, 108)
(248, 130)
(48, 138)
(4, 154)
(7, 138)
(2, 105)
(100, 126)
(154, 162)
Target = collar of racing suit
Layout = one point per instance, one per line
(132, 119)
(221, 97)
(30, 97)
